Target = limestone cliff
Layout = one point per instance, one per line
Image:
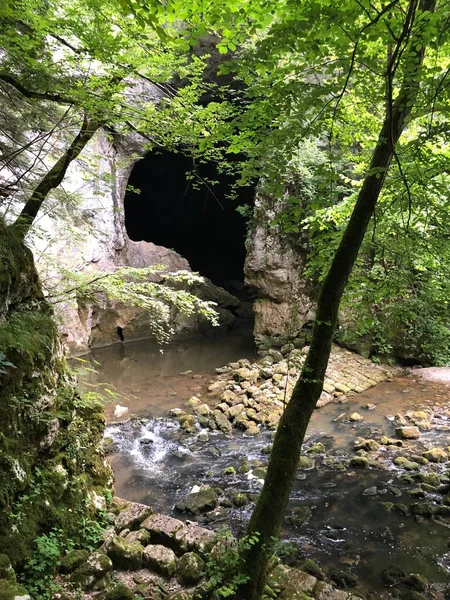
(274, 268)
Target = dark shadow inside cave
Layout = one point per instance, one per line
(196, 220)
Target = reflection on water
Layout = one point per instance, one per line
(156, 463)
(150, 382)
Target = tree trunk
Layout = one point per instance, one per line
(270, 508)
(54, 177)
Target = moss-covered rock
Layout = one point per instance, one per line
(124, 555)
(190, 568)
(73, 560)
(6, 570)
(9, 590)
(200, 502)
(299, 515)
(119, 592)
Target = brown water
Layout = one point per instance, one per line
(150, 382)
(157, 463)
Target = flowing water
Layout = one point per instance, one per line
(156, 463)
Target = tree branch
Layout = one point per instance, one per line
(54, 177)
(53, 97)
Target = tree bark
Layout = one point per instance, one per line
(269, 512)
(54, 177)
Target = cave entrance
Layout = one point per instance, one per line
(198, 221)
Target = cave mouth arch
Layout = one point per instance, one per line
(196, 220)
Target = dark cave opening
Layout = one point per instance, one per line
(198, 221)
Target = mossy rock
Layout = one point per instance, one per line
(305, 462)
(312, 568)
(392, 576)
(190, 568)
(73, 560)
(9, 590)
(316, 448)
(119, 592)
(343, 579)
(200, 502)
(299, 515)
(125, 555)
(6, 570)
(229, 471)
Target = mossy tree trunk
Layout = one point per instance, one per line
(270, 508)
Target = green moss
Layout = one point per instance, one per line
(120, 592)
(73, 560)
(9, 590)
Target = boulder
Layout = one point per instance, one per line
(162, 529)
(161, 559)
(200, 502)
(436, 455)
(193, 537)
(123, 554)
(190, 568)
(408, 433)
(299, 515)
(222, 422)
(132, 516)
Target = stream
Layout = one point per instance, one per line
(157, 463)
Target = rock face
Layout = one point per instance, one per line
(95, 240)
(274, 269)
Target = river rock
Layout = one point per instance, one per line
(408, 433)
(392, 575)
(202, 410)
(222, 422)
(305, 462)
(190, 568)
(355, 417)
(193, 401)
(407, 464)
(200, 502)
(366, 444)
(245, 374)
(416, 582)
(299, 515)
(132, 516)
(316, 448)
(161, 559)
(436, 455)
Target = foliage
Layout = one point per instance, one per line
(223, 567)
(152, 288)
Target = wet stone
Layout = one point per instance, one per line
(200, 502)
(407, 433)
(436, 455)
